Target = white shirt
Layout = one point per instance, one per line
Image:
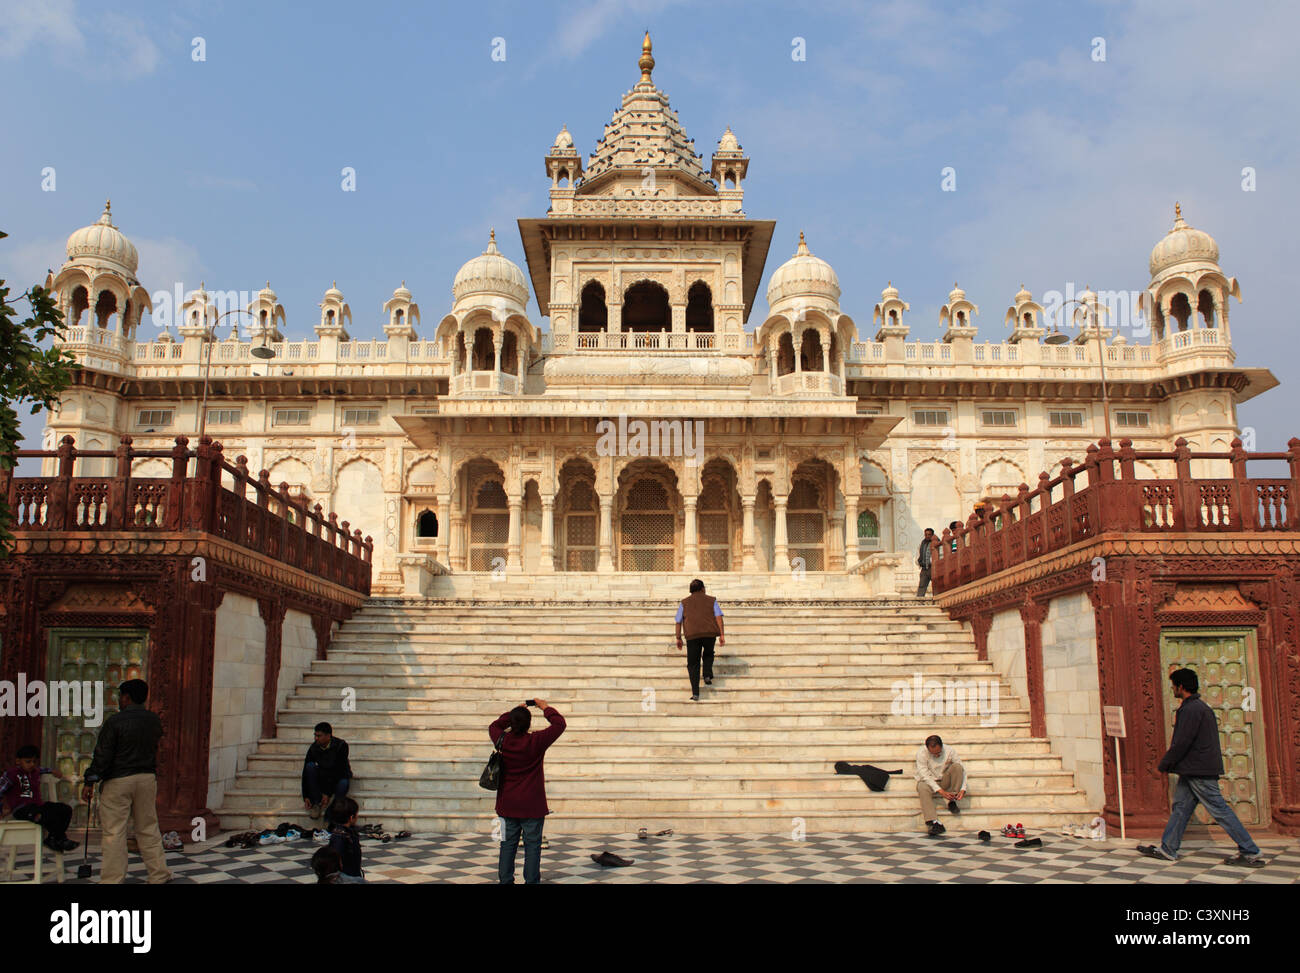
(930, 768)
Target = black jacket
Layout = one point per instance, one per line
(923, 554)
(128, 744)
(333, 763)
(1194, 750)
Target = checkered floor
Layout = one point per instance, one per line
(909, 859)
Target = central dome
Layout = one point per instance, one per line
(491, 273)
(1183, 243)
(102, 241)
(803, 275)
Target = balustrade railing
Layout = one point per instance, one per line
(1058, 512)
(268, 520)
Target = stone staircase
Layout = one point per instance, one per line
(799, 685)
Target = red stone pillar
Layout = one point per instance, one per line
(272, 612)
(980, 625)
(1032, 614)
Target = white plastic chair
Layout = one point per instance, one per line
(17, 834)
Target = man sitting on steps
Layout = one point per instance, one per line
(938, 771)
(326, 773)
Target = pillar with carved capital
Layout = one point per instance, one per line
(547, 564)
(457, 554)
(606, 562)
(850, 531)
(780, 547)
(514, 549)
(748, 562)
(826, 356)
(444, 530)
(691, 562)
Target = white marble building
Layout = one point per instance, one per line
(477, 442)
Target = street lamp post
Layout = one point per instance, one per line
(260, 351)
(1058, 337)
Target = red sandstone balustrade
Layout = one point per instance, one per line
(1034, 524)
(273, 523)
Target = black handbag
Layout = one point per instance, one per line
(490, 779)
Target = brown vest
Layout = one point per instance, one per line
(697, 616)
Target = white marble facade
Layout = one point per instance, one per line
(477, 440)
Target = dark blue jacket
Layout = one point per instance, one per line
(1194, 750)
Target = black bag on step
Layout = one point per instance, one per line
(873, 777)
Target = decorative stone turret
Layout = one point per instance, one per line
(729, 167)
(403, 314)
(198, 313)
(267, 315)
(1188, 289)
(957, 314)
(97, 285)
(335, 315)
(888, 315)
(1088, 315)
(1024, 316)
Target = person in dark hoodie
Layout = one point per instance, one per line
(521, 799)
(20, 788)
(326, 773)
(1195, 757)
(345, 840)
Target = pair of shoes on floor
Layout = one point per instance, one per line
(172, 842)
(245, 839)
(610, 860)
(1155, 851)
(1013, 831)
(1030, 843)
(936, 830)
(320, 836)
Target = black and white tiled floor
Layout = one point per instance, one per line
(880, 858)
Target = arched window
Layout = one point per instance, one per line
(1205, 306)
(397, 317)
(105, 308)
(699, 307)
(563, 178)
(427, 524)
(1181, 309)
(593, 315)
(645, 308)
(485, 357)
(510, 353)
(810, 352)
(868, 529)
(784, 354)
(80, 302)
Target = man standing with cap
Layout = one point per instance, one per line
(126, 760)
(701, 617)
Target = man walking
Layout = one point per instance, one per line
(938, 772)
(700, 616)
(125, 759)
(1195, 757)
(923, 562)
(521, 799)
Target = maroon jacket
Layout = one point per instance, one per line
(523, 784)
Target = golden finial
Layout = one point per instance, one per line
(492, 235)
(1178, 211)
(108, 206)
(647, 61)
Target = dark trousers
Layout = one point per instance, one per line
(925, 583)
(532, 831)
(52, 816)
(694, 649)
(316, 782)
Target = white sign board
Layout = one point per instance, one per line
(1113, 717)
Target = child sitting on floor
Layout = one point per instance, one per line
(326, 864)
(20, 793)
(345, 840)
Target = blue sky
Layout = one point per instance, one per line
(228, 170)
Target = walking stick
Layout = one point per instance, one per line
(83, 870)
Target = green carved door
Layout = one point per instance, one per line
(107, 657)
(1225, 662)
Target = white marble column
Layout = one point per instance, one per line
(606, 563)
(748, 562)
(691, 561)
(514, 549)
(850, 531)
(444, 531)
(458, 555)
(781, 548)
(547, 564)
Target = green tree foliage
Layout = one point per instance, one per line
(29, 374)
